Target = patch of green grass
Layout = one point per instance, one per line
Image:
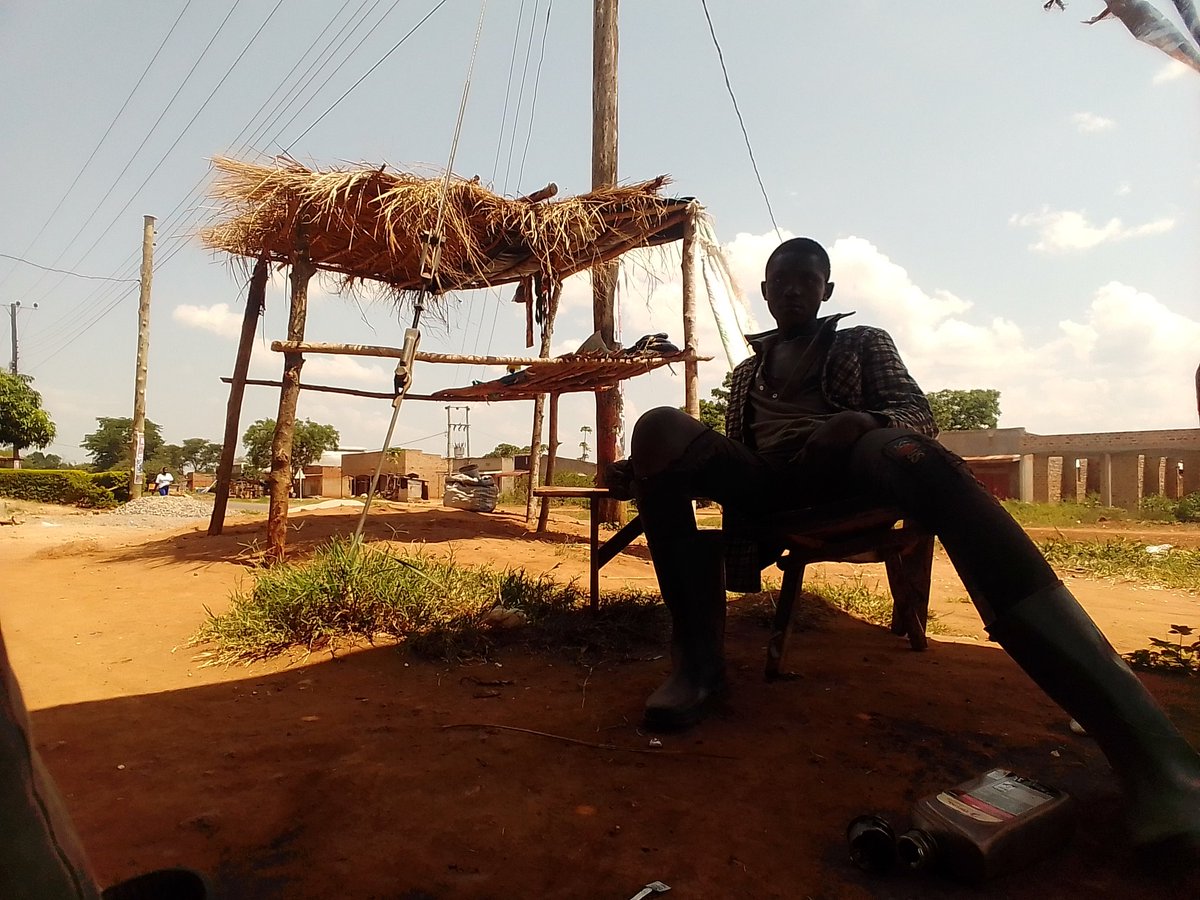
(350, 592)
(1062, 514)
(862, 601)
(1177, 567)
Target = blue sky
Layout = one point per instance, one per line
(1009, 192)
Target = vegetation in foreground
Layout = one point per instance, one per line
(1175, 654)
(1162, 565)
(348, 592)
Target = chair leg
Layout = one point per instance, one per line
(781, 628)
(909, 573)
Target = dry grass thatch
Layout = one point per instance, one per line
(366, 224)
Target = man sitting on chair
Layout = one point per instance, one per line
(820, 414)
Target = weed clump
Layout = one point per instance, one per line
(1172, 567)
(350, 592)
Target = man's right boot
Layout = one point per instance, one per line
(691, 577)
(1055, 641)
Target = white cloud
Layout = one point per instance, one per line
(1089, 123)
(1063, 231)
(218, 318)
(1126, 363)
(1172, 70)
(342, 369)
(1124, 189)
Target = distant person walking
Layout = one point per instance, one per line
(163, 481)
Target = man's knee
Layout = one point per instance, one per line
(661, 436)
(892, 454)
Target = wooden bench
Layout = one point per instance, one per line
(600, 554)
(858, 533)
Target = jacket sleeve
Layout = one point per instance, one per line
(739, 390)
(888, 389)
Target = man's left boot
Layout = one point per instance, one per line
(1058, 645)
(691, 577)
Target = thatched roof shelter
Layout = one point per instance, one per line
(367, 223)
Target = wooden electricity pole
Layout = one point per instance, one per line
(604, 174)
(137, 444)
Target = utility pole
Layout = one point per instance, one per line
(138, 441)
(451, 427)
(604, 174)
(12, 314)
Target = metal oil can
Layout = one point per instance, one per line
(985, 827)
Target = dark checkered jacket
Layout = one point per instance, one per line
(863, 372)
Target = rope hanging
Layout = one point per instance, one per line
(431, 254)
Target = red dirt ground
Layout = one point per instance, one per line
(343, 778)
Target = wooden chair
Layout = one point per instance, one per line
(844, 532)
(851, 532)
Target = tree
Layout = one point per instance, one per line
(505, 450)
(201, 454)
(309, 440)
(712, 412)
(584, 449)
(39, 460)
(23, 422)
(108, 445)
(963, 410)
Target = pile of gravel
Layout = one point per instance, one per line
(153, 506)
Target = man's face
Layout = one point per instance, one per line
(796, 285)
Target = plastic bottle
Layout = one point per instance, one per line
(985, 827)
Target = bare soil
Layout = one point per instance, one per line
(375, 774)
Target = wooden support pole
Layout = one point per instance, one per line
(327, 389)
(551, 456)
(604, 277)
(255, 297)
(539, 409)
(285, 422)
(691, 369)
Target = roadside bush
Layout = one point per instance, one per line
(1188, 509)
(69, 487)
(1157, 508)
(115, 482)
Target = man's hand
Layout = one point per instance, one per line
(831, 442)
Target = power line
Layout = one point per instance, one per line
(741, 122)
(145, 139)
(82, 326)
(382, 59)
(27, 262)
(179, 235)
(186, 127)
(537, 80)
(107, 132)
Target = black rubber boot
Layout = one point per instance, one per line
(691, 577)
(1055, 641)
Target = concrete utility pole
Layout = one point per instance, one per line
(12, 314)
(604, 174)
(138, 442)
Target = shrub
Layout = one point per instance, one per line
(1157, 508)
(115, 482)
(1188, 509)
(66, 486)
